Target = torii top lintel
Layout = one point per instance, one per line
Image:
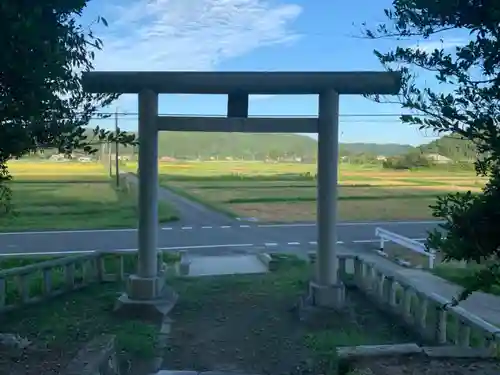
(268, 83)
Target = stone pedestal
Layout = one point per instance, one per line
(146, 298)
(327, 296)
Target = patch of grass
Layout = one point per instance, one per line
(425, 182)
(461, 276)
(249, 189)
(239, 177)
(348, 210)
(252, 325)
(59, 328)
(84, 205)
(312, 199)
(261, 186)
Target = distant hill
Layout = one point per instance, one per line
(236, 145)
(376, 149)
(191, 145)
(451, 146)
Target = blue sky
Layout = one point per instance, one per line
(270, 35)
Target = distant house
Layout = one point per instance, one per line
(167, 159)
(84, 159)
(439, 159)
(381, 158)
(58, 157)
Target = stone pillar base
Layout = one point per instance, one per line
(146, 288)
(327, 296)
(146, 298)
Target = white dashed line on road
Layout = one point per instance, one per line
(188, 247)
(195, 227)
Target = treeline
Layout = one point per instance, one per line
(294, 147)
(448, 152)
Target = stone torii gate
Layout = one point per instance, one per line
(147, 287)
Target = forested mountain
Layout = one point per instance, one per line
(249, 146)
(237, 145)
(451, 146)
(376, 149)
(258, 146)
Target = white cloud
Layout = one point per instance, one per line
(429, 46)
(190, 34)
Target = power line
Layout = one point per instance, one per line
(127, 114)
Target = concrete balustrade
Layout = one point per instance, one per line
(37, 282)
(432, 316)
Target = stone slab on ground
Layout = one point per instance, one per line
(225, 265)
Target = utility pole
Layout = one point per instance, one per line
(103, 152)
(110, 164)
(117, 161)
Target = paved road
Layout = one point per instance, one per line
(203, 230)
(204, 237)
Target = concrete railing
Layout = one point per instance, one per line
(430, 315)
(40, 281)
(415, 246)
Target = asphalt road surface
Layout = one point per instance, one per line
(202, 230)
(204, 238)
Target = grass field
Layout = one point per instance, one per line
(287, 192)
(55, 195)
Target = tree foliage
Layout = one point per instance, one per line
(453, 147)
(410, 160)
(44, 51)
(465, 102)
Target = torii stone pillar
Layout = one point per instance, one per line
(146, 290)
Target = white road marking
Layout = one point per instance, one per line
(316, 242)
(190, 247)
(290, 225)
(193, 247)
(47, 253)
(67, 231)
(286, 225)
